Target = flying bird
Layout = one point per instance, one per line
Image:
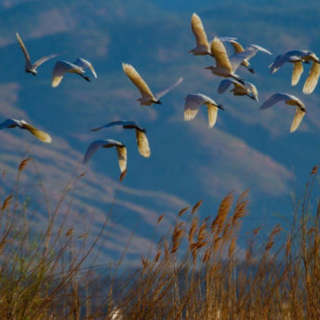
(291, 101)
(298, 57)
(147, 97)
(61, 67)
(142, 140)
(195, 101)
(109, 143)
(226, 67)
(239, 89)
(203, 46)
(13, 123)
(29, 66)
(238, 48)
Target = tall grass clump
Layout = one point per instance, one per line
(204, 268)
(200, 271)
(44, 272)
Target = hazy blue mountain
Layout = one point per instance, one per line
(247, 149)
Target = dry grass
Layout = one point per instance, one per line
(198, 271)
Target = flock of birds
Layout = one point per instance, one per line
(225, 66)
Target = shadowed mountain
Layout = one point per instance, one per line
(189, 161)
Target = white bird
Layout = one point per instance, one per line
(29, 66)
(238, 48)
(142, 140)
(291, 101)
(226, 67)
(13, 123)
(297, 57)
(239, 89)
(203, 46)
(109, 143)
(147, 97)
(195, 101)
(61, 67)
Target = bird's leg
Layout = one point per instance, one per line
(84, 77)
(237, 78)
(34, 73)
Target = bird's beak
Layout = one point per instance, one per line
(220, 106)
(208, 67)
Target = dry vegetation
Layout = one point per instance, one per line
(195, 272)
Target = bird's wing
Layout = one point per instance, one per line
(192, 105)
(290, 56)
(227, 39)
(42, 60)
(122, 157)
(59, 70)
(259, 48)
(312, 79)
(199, 32)
(297, 119)
(238, 58)
(224, 85)
(83, 63)
(24, 49)
(161, 93)
(219, 52)
(10, 123)
(136, 79)
(212, 114)
(277, 63)
(41, 135)
(237, 47)
(143, 143)
(274, 99)
(297, 71)
(111, 124)
(93, 147)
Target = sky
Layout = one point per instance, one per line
(247, 148)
